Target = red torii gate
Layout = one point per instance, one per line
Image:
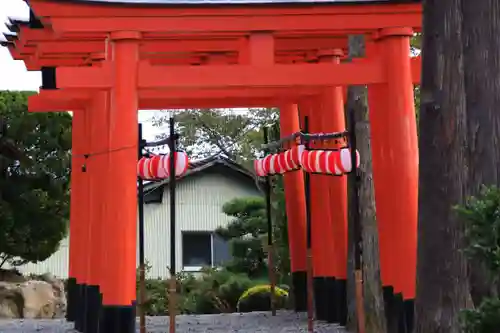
(115, 59)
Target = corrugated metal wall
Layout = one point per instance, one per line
(199, 208)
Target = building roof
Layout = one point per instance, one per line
(218, 159)
(154, 190)
(237, 2)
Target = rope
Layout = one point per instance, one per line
(104, 152)
(304, 137)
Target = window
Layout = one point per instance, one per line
(201, 249)
(220, 250)
(196, 249)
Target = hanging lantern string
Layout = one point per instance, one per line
(163, 142)
(105, 152)
(144, 144)
(304, 137)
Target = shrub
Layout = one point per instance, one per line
(481, 215)
(258, 298)
(156, 300)
(217, 291)
(484, 319)
(156, 297)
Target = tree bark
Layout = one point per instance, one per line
(442, 284)
(372, 286)
(481, 40)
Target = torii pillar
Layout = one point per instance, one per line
(332, 109)
(119, 228)
(395, 163)
(98, 164)
(296, 213)
(321, 227)
(79, 217)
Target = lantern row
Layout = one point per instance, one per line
(158, 166)
(335, 162)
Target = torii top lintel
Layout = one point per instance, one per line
(293, 25)
(234, 2)
(226, 16)
(76, 28)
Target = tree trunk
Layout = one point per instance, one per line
(481, 40)
(374, 302)
(442, 284)
(372, 286)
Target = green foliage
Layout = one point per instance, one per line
(258, 298)
(416, 94)
(217, 291)
(157, 297)
(481, 215)
(34, 182)
(416, 48)
(156, 300)
(235, 133)
(484, 319)
(280, 233)
(416, 43)
(214, 291)
(248, 231)
(245, 234)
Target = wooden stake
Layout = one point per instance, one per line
(172, 302)
(142, 298)
(360, 302)
(272, 278)
(310, 297)
(270, 246)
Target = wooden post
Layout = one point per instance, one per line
(354, 207)
(310, 284)
(142, 267)
(172, 301)
(270, 246)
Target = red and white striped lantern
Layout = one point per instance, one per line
(158, 166)
(143, 168)
(286, 161)
(258, 166)
(329, 162)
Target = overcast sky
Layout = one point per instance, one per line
(14, 76)
(13, 73)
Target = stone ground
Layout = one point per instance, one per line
(257, 322)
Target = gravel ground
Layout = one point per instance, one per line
(257, 322)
